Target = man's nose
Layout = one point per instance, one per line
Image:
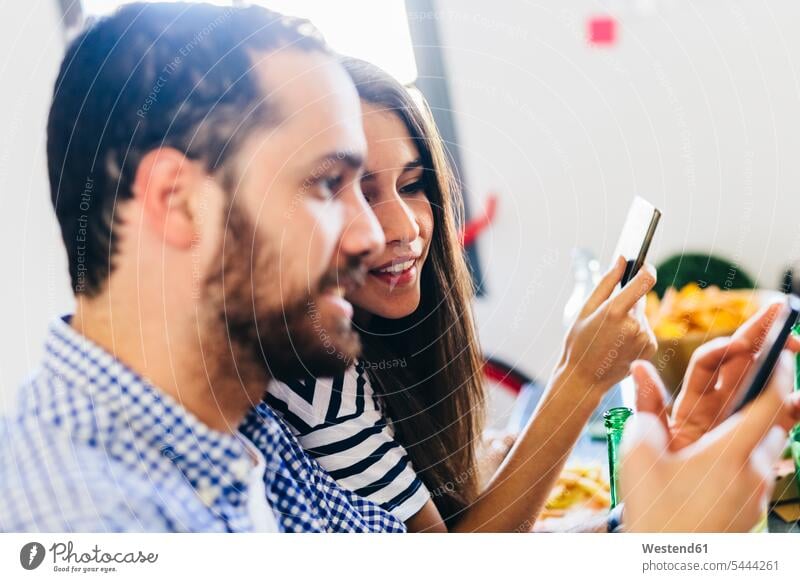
(362, 236)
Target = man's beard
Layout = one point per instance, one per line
(283, 339)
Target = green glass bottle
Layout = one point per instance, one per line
(615, 424)
(795, 434)
(796, 331)
(795, 448)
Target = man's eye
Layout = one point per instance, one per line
(331, 185)
(413, 187)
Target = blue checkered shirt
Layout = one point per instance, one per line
(92, 446)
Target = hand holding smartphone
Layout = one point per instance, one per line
(758, 378)
(636, 237)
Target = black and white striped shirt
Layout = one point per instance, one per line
(340, 423)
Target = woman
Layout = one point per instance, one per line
(402, 426)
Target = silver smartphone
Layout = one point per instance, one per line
(636, 237)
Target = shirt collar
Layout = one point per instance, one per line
(104, 403)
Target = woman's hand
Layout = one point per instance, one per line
(598, 351)
(719, 483)
(712, 382)
(607, 336)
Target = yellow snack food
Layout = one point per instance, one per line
(710, 311)
(578, 486)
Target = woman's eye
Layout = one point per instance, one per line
(413, 187)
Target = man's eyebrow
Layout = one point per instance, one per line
(355, 161)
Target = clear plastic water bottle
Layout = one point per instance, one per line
(586, 273)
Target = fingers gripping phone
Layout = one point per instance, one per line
(637, 234)
(767, 358)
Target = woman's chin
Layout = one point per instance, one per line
(395, 313)
(394, 307)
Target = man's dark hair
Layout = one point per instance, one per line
(152, 75)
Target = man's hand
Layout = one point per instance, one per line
(712, 382)
(719, 483)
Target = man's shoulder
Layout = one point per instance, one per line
(301, 492)
(50, 482)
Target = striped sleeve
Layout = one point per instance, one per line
(340, 423)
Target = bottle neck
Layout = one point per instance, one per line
(616, 417)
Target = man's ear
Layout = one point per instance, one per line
(166, 185)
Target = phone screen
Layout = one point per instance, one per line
(770, 352)
(637, 234)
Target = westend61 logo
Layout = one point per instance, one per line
(67, 559)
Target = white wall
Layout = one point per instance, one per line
(697, 108)
(35, 286)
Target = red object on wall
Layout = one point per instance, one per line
(476, 226)
(505, 375)
(602, 30)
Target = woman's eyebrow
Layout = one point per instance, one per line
(412, 165)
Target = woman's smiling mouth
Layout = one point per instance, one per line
(399, 272)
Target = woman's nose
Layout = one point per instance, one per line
(398, 220)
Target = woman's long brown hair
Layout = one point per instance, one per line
(426, 367)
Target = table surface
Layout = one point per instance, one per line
(593, 451)
(589, 450)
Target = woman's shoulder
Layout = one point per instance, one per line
(310, 403)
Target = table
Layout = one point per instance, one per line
(587, 450)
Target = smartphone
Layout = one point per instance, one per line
(774, 343)
(637, 234)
